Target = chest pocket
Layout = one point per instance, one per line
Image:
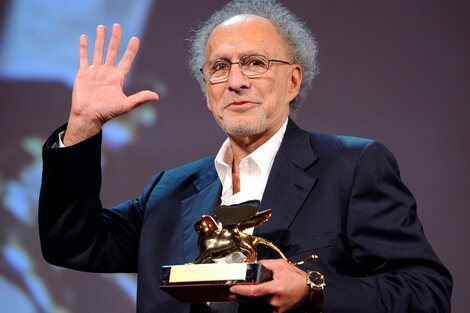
(299, 248)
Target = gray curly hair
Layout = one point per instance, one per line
(300, 41)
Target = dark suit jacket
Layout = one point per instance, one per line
(338, 197)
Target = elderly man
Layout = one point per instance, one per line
(338, 197)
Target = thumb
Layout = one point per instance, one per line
(139, 98)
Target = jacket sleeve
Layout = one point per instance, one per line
(75, 230)
(396, 268)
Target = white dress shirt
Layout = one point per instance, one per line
(254, 169)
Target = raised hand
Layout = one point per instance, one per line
(98, 95)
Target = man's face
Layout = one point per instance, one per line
(251, 107)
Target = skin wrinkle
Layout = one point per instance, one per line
(297, 38)
(251, 124)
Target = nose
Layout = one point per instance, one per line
(236, 81)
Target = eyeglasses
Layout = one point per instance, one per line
(250, 65)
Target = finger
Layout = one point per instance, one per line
(83, 52)
(261, 290)
(115, 42)
(269, 262)
(99, 45)
(139, 98)
(129, 55)
(274, 264)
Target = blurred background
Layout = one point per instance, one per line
(395, 71)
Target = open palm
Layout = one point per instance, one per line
(98, 94)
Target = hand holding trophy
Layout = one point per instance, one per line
(227, 256)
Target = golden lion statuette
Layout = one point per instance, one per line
(227, 256)
(223, 237)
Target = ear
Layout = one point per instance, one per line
(295, 81)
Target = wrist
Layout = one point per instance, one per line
(316, 284)
(79, 130)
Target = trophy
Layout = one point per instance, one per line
(227, 256)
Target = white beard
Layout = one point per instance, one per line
(241, 127)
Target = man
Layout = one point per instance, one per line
(338, 197)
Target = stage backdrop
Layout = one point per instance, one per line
(395, 71)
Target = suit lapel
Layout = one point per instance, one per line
(288, 186)
(207, 197)
(289, 183)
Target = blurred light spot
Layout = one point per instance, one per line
(21, 196)
(145, 115)
(13, 299)
(117, 134)
(39, 292)
(15, 201)
(17, 257)
(128, 284)
(51, 29)
(161, 88)
(34, 146)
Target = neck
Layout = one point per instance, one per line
(241, 147)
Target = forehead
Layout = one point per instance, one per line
(245, 34)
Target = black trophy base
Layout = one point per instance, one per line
(210, 282)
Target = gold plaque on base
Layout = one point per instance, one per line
(210, 282)
(227, 256)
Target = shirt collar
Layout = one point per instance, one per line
(263, 156)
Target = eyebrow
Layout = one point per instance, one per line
(225, 57)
